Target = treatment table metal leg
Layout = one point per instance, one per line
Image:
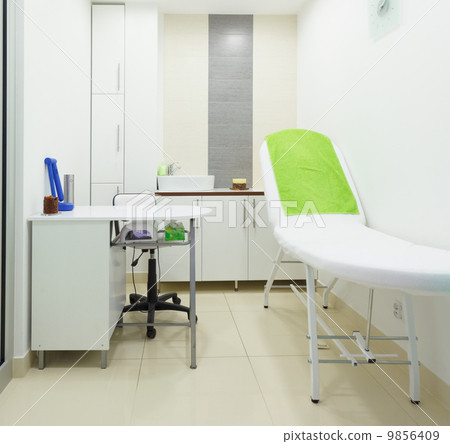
(273, 273)
(414, 376)
(327, 292)
(369, 320)
(192, 314)
(312, 331)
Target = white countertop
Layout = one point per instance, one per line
(214, 191)
(111, 213)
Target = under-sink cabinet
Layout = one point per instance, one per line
(232, 244)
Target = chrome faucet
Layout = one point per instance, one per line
(173, 168)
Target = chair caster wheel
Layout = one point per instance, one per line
(315, 401)
(176, 300)
(151, 334)
(134, 298)
(189, 318)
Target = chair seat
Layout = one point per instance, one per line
(363, 255)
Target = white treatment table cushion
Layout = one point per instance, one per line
(348, 249)
(360, 254)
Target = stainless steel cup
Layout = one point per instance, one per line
(69, 188)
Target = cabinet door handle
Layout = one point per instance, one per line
(118, 138)
(118, 77)
(244, 213)
(254, 215)
(197, 221)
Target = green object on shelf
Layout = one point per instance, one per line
(162, 170)
(174, 231)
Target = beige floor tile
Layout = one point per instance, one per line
(273, 332)
(226, 388)
(21, 393)
(395, 380)
(221, 391)
(128, 342)
(77, 396)
(87, 396)
(347, 396)
(210, 298)
(206, 301)
(217, 336)
(254, 300)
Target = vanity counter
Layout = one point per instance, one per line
(214, 192)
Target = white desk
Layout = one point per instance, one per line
(78, 276)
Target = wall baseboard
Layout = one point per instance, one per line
(20, 366)
(430, 382)
(139, 278)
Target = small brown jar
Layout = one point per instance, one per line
(50, 205)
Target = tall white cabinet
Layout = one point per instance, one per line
(108, 103)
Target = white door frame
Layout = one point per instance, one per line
(6, 367)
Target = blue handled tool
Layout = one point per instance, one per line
(53, 176)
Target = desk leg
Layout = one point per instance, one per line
(41, 359)
(103, 359)
(192, 314)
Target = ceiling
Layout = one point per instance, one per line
(221, 6)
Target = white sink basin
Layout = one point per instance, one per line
(185, 183)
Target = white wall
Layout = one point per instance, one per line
(274, 80)
(143, 116)
(54, 120)
(186, 42)
(393, 130)
(186, 92)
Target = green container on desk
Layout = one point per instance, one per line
(174, 231)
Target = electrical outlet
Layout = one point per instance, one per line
(398, 309)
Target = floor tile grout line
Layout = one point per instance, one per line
(261, 391)
(137, 383)
(251, 366)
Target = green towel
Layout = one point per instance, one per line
(307, 170)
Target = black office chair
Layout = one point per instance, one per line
(137, 234)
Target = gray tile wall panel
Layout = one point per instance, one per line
(228, 45)
(231, 24)
(230, 114)
(222, 68)
(226, 163)
(233, 136)
(233, 113)
(230, 90)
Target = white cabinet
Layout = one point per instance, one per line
(84, 297)
(262, 247)
(108, 49)
(103, 193)
(233, 244)
(108, 103)
(107, 139)
(174, 261)
(224, 250)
